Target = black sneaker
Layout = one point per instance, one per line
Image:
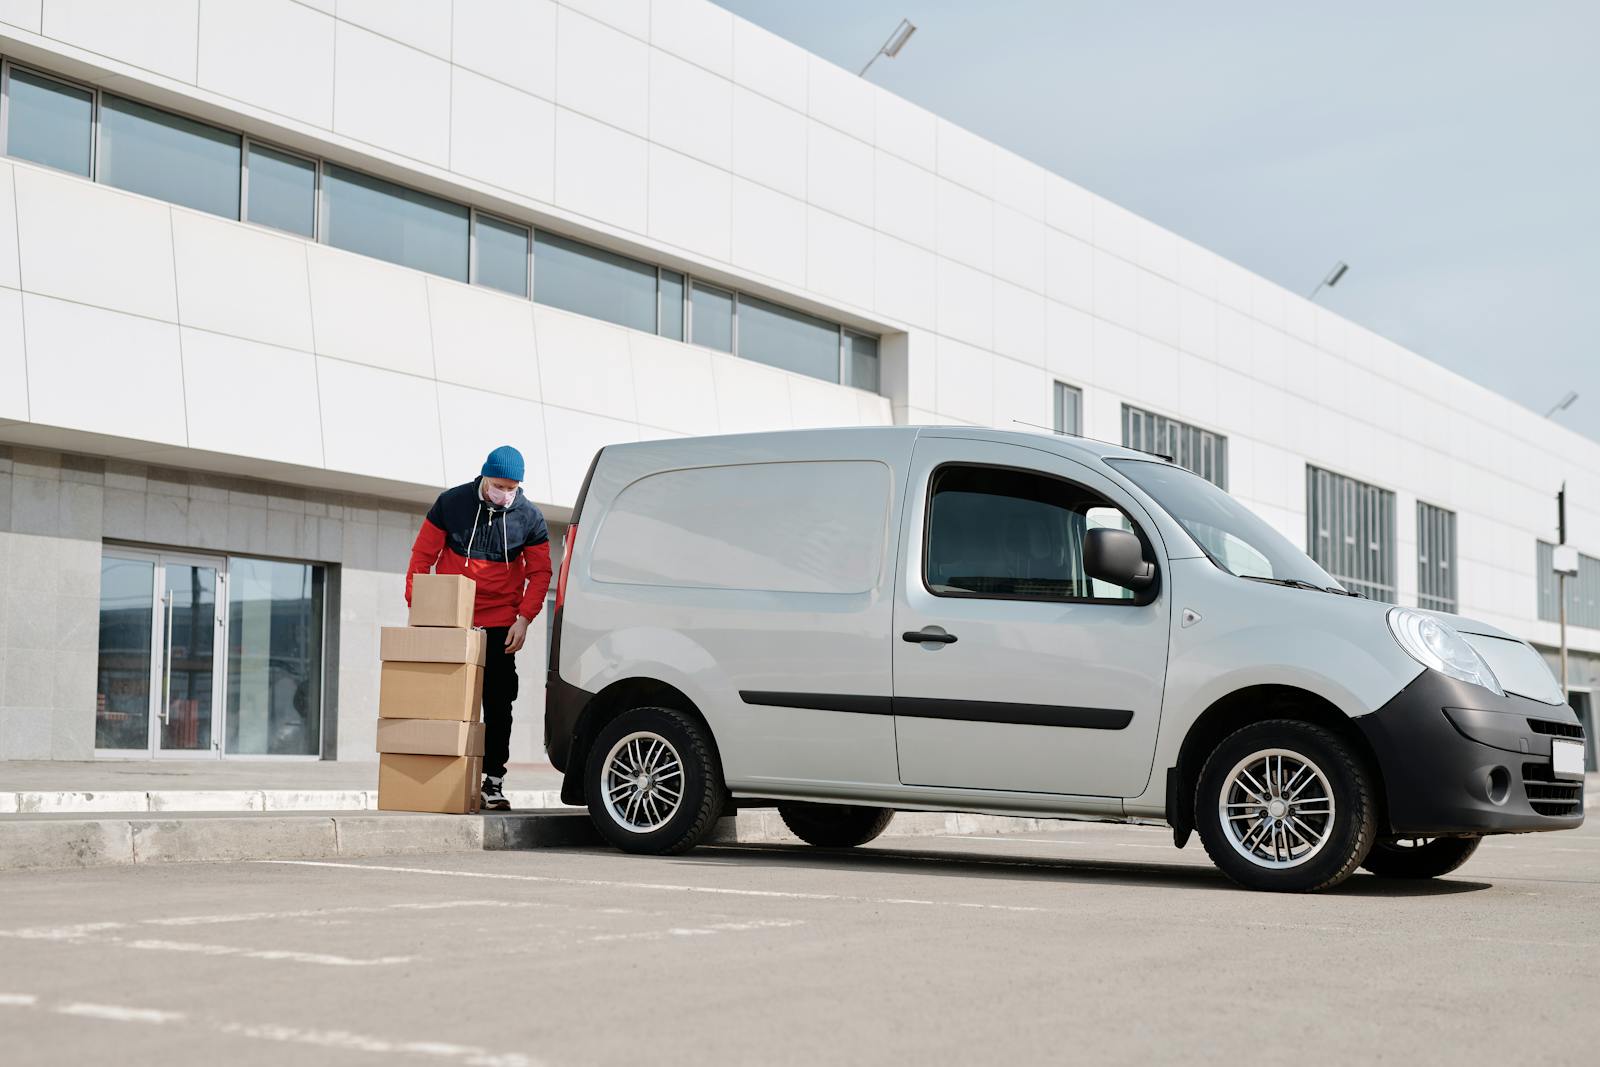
(493, 798)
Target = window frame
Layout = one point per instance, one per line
(244, 187)
(1140, 598)
(1436, 528)
(1058, 390)
(690, 284)
(1344, 493)
(6, 67)
(473, 214)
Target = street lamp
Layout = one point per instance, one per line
(891, 48)
(1563, 404)
(1331, 280)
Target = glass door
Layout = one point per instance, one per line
(161, 654)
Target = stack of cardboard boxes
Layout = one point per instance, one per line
(430, 737)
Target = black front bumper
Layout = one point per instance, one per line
(1456, 759)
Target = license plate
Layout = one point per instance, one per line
(1566, 758)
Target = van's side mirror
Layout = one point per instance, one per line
(1116, 556)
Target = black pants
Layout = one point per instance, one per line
(499, 690)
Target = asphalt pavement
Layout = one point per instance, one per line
(1091, 944)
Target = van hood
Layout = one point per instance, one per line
(1517, 664)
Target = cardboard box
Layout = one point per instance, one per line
(442, 600)
(445, 784)
(430, 737)
(408, 690)
(475, 784)
(430, 644)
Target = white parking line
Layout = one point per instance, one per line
(657, 886)
(18, 1000)
(700, 931)
(117, 1013)
(95, 934)
(353, 909)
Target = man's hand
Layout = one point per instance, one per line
(517, 635)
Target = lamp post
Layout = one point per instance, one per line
(1564, 561)
(891, 48)
(1331, 280)
(1563, 404)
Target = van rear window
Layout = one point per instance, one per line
(818, 527)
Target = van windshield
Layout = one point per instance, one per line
(1236, 539)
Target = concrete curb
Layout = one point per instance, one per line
(64, 802)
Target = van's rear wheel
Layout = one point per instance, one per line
(835, 825)
(1419, 857)
(653, 783)
(1285, 805)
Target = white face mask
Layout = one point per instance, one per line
(500, 498)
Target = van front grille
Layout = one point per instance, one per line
(1547, 795)
(1555, 729)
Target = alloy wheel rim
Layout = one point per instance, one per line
(642, 782)
(1277, 808)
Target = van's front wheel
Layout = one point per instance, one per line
(1419, 857)
(653, 782)
(835, 825)
(1285, 805)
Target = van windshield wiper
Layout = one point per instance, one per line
(1300, 583)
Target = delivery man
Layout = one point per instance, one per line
(487, 530)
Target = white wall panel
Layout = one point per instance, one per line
(676, 390)
(511, 41)
(691, 203)
(839, 257)
(483, 339)
(502, 135)
(1158, 375)
(245, 398)
(1116, 290)
(10, 276)
(691, 110)
(966, 226)
(905, 130)
(1116, 359)
(1023, 398)
(1197, 324)
(769, 142)
(1069, 343)
(602, 72)
(1068, 270)
(93, 244)
(391, 96)
(815, 404)
(572, 438)
(907, 282)
(694, 30)
(1197, 269)
(769, 65)
(601, 171)
(1158, 250)
(965, 158)
(1068, 207)
(1019, 249)
(586, 365)
(473, 423)
(630, 16)
(839, 173)
(1158, 307)
(769, 232)
(132, 363)
(1019, 329)
(242, 50)
(966, 303)
(158, 35)
(422, 24)
(218, 260)
(369, 312)
(965, 388)
(1116, 230)
(1019, 184)
(751, 397)
(840, 99)
(24, 13)
(907, 201)
(380, 423)
(13, 362)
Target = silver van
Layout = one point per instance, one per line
(847, 623)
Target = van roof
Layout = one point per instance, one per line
(1063, 444)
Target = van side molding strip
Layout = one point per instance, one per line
(940, 708)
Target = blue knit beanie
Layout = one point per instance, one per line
(504, 462)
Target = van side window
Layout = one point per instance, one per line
(999, 532)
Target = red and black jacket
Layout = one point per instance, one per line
(505, 550)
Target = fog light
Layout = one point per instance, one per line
(1499, 785)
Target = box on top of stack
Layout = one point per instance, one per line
(430, 692)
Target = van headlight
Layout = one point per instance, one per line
(1435, 644)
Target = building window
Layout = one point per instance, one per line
(1068, 410)
(281, 190)
(593, 282)
(169, 157)
(274, 680)
(861, 359)
(669, 313)
(791, 340)
(48, 122)
(1436, 558)
(376, 218)
(1013, 534)
(1201, 451)
(500, 255)
(711, 317)
(1583, 589)
(1350, 532)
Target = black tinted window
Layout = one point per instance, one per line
(1009, 533)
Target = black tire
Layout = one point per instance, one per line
(835, 825)
(1345, 836)
(700, 801)
(1415, 857)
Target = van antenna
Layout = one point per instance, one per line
(1099, 440)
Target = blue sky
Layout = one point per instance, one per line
(1448, 150)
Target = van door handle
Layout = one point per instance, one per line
(917, 637)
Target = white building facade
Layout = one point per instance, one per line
(273, 274)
